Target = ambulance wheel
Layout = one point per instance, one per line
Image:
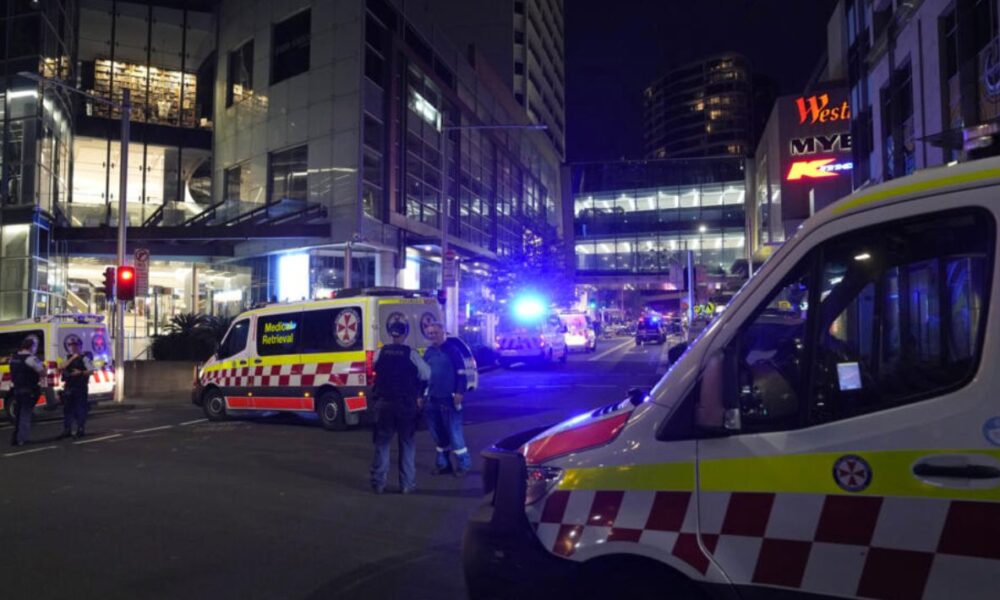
(330, 408)
(9, 408)
(214, 405)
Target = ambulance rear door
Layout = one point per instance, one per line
(849, 416)
(416, 313)
(94, 342)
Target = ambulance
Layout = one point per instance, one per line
(54, 334)
(835, 433)
(314, 357)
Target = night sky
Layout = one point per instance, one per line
(615, 48)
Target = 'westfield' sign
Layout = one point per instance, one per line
(816, 109)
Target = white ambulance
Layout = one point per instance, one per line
(53, 333)
(315, 356)
(835, 433)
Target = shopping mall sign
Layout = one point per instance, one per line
(817, 109)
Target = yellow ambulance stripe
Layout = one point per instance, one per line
(913, 188)
(664, 476)
(405, 301)
(289, 359)
(892, 475)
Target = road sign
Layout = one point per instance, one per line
(449, 271)
(141, 272)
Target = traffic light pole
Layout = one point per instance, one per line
(126, 109)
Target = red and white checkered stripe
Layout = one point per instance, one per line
(308, 375)
(855, 546)
(53, 378)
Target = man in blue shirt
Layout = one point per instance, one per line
(444, 403)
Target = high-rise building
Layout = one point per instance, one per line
(277, 151)
(523, 40)
(704, 108)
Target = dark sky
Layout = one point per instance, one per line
(615, 48)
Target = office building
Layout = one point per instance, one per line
(278, 150)
(923, 78)
(524, 41)
(704, 108)
(634, 222)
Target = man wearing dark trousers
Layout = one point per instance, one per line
(444, 403)
(26, 375)
(400, 374)
(76, 372)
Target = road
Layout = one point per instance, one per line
(159, 503)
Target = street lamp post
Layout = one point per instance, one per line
(451, 292)
(126, 111)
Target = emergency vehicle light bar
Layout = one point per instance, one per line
(77, 317)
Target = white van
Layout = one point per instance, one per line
(53, 333)
(314, 356)
(834, 433)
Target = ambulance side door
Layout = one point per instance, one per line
(234, 365)
(853, 453)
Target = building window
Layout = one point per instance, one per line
(236, 182)
(240, 79)
(899, 144)
(288, 174)
(290, 47)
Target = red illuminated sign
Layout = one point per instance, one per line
(816, 109)
(811, 169)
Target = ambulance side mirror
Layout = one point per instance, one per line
(716, 411)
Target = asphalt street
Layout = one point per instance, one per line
(159, 503)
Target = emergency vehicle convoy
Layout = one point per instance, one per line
(314, 356)
(529, 332)
(834, 433)
(53, 333)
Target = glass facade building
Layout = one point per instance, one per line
(639, 217)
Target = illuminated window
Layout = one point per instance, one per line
(240, 77)
(425, 109)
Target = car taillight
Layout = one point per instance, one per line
(370, 367)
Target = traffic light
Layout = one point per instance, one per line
(126, 283)
(109, 283)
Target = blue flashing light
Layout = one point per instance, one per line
(529, 308)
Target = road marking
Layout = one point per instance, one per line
(160, 428)
(100, 439)
(612, 349)
(33, 450)
(186, 423)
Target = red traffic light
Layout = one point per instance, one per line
(126, 283)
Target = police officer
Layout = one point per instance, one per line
(76, 372)
(444, 403)
(399, 376)
(26, 375)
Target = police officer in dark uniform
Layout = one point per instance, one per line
(26, 375)
(399, 375)
(76, 372)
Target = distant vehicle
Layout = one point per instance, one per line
(650, 328)
(53, 333)
(530, 333)
(315, 356)
(579, 332)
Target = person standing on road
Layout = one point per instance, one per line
(76, 372)
(26, 373)
(399, 376)
(444, 403)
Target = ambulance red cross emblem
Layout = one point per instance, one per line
(852, 473)
(346, 328)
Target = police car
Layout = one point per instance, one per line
(834, 433)
(314, 357)
(54, 334)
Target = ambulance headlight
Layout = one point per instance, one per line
(540, 480)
